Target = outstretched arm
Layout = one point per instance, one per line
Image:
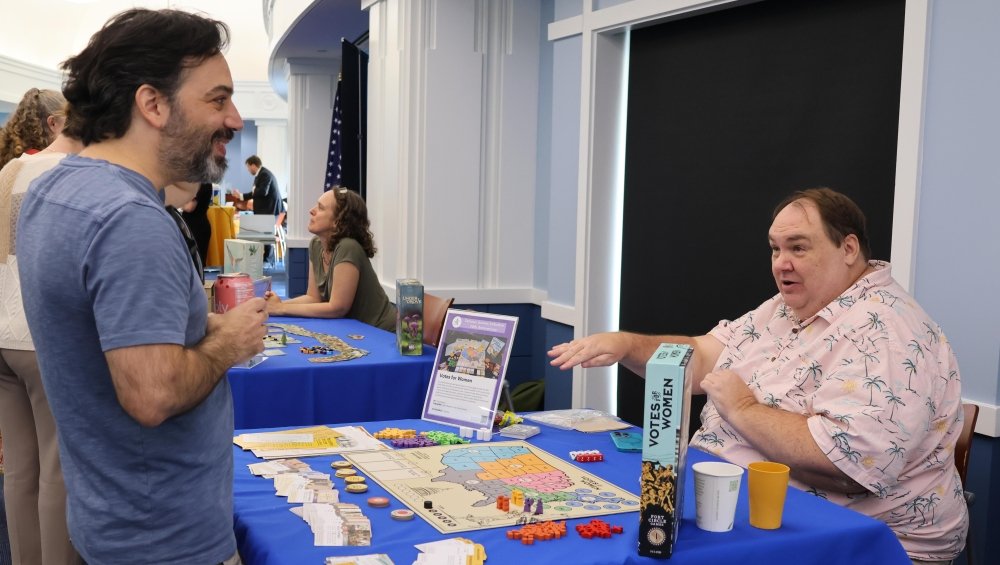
(633, 350)
(345, 286)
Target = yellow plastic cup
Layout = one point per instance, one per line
(768, 484)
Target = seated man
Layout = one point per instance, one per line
(841, 376)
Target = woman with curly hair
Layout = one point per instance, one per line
(34, 491)
(342, 282)
(33, 125)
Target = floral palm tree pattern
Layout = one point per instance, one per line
(880, 387)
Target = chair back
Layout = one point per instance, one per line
(279, 239)
(435, 309)
(963, 445)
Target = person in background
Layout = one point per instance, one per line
(133, 364)
(841, 376)
(34, 492)
(34, 123)
(265, 193)
(179, 195)
(196, 218)
(342, 282)
(32, 126)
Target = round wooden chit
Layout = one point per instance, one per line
(401, 514)
(341, 465)
(354, 479)
(356, 488)
(378, 501)
(345, 473)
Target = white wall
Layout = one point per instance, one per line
(452, 139)
(958, 240)
(44, 33)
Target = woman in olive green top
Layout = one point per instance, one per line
(342, 282)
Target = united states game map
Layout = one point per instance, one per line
(463, 482)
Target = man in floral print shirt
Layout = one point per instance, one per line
(841, 376)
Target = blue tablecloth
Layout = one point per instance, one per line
(288, 390)
(813, 530)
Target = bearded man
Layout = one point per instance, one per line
(131, 359)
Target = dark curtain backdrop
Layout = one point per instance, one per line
(728, 112)
(354, 110)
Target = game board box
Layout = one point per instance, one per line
(664, 447)
(410, 316)
(242, 256)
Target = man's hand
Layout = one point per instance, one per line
(273, 303)
(157, 381)
(242, 329)
(598, 350)
(633, 351)
(729, 393)
(779, 435)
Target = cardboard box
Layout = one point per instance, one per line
(410, 316)
(242, 256)
(210, 294)
(664, 448)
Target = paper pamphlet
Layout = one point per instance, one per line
(469, 369)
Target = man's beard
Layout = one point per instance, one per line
(185, 152)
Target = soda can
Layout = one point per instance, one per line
(232, 289)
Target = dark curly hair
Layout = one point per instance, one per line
(134, 48)
(27, 128)
(352, 221)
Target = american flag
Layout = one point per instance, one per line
(334, 158)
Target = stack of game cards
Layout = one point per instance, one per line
(519, 431)
(336, 524)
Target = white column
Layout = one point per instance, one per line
(453, 98)
(312, 85)
(272, 148)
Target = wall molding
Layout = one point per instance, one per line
(909, 142)
(452, 146)
(561, 29)
(560, 313)
(256, 100)
(988, 423)
(480, 295)
(16, 77)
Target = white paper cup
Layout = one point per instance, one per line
(716, 488)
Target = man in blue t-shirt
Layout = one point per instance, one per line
(132, 362)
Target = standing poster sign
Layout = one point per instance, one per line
(469, 368)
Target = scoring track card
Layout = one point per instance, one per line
(462, 483)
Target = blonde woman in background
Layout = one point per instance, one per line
(34, 493)
(33, 125)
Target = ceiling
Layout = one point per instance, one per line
(252, 54)
(316, 35)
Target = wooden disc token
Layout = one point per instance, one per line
(401, 514)
(341, 465)
(378, 502)
(354, 479)
(356, 488)
(345, 473)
